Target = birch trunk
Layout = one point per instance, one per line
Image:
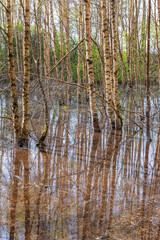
(46, 48)
(14, 96)
(79, 50)
(159, 36)
(115, 64)
(62, 93)
(40, 142)
(101, 43)
(143, 40)
(25, 93)
(54, 39)
(148, 77)
(62, 39)
(107, 60)
(90, 65)
(148, 45)
(69, 75)
(85, 81)
(17, 48)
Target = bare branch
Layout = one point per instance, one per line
(22, 7)
(99, 51)
(3, 30)
(65, 56)
(3, 5)
(87, 89)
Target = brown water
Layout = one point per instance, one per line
(83, 185)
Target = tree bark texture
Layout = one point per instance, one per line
(90, 65)
(25, 93)
(54, 39)
(159, 35)
(14, 96)
(107, 60)
(79, 49)
(115, 64)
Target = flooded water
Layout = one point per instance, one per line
(83, 185)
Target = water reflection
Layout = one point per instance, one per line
(88, 205)
(14, 193)
(84, 185)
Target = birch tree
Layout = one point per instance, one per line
(25, 93)
(159, 36)
(115, 64)
(89, 58)
(68, 63)
(12, 79)
(107, 61)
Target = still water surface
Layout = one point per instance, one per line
(83, 185)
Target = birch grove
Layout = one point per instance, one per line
(98, 47)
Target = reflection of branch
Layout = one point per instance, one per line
(65, 56)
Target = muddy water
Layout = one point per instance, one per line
(83, 185)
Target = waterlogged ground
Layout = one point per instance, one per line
(83, 185)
